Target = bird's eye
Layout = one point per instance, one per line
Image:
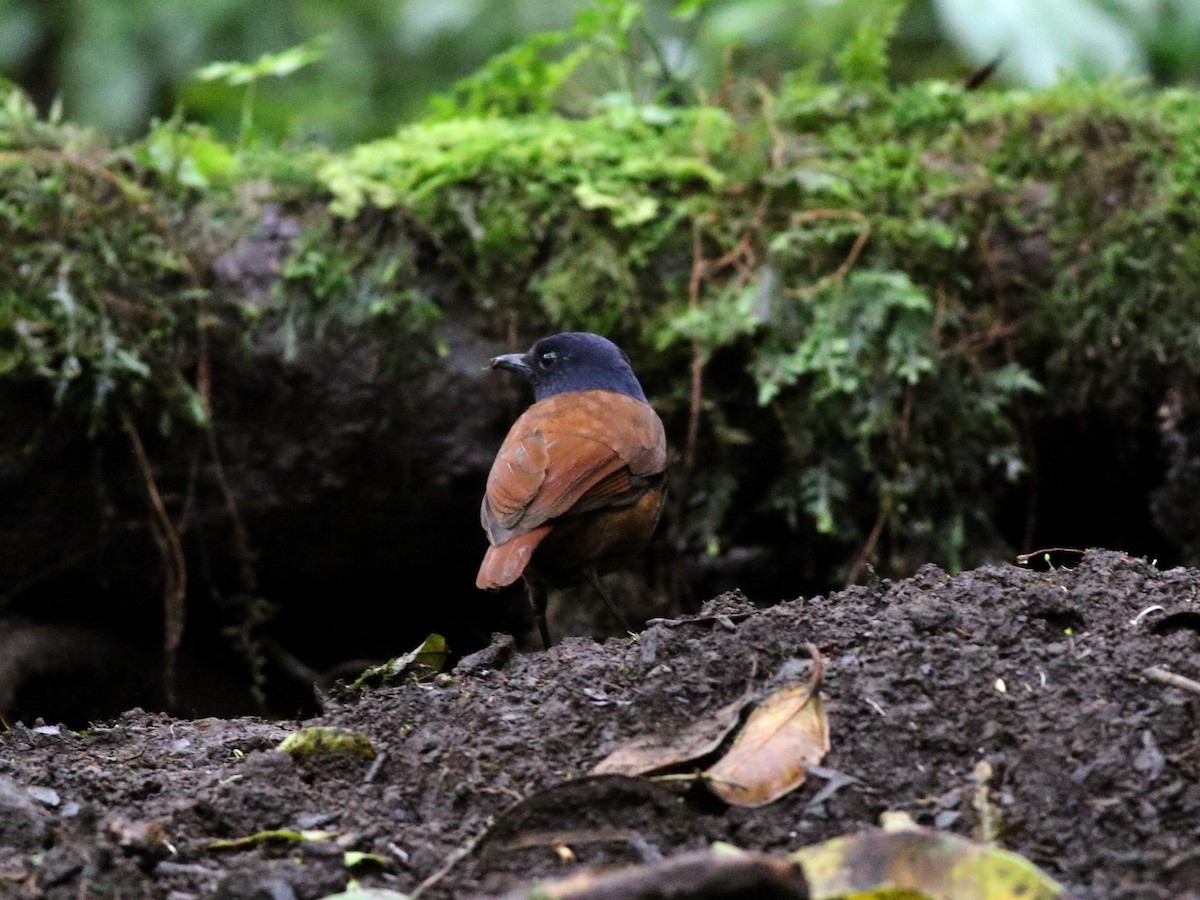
(547, 359)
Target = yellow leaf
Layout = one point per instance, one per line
(919, 863)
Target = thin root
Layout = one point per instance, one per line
(459, 854)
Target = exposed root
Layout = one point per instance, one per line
(170, 547)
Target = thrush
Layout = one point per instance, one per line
(578, 484)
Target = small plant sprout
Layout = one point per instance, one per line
(269, 65)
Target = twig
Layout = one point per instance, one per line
(834, 782)
(290, 663)
(742, 257)
(174, 564)
(681, 621)
(988, 826)
(126, 189)
(454, 859)
(376, 764)
(868, 548)
(166, 533)
(675, 86)
(817, 675)
(692, 777)
(675, 777)
(887, 504)
(856, 248)
(778, 143)
(1162, 676)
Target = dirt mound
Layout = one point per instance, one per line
(1095, 769)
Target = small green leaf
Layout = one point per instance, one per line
(269, 65)
(626, 210)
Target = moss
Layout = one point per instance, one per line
(883, 283)
(97, 293)
(1026, 254)
(571, 213)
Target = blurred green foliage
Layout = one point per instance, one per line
(116, 64)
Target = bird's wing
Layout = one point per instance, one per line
(517, 475)
(570, 454)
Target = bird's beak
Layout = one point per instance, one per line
(513, 362)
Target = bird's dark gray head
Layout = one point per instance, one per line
(573, 361)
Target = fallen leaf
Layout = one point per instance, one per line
(432, 654)
(916, 861)
(785, 733)
(654, 752)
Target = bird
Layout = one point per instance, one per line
(579, 482)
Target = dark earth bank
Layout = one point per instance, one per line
(332, 457)
(479, 783)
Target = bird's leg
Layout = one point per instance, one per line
(538, 598)
(593, 578)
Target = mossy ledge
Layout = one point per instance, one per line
(242, 390)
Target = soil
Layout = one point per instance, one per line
(479, 782)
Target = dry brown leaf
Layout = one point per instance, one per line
(786, 733)
(654, 752)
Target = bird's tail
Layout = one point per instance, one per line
(505, 564)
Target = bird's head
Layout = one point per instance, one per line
(573, 361)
